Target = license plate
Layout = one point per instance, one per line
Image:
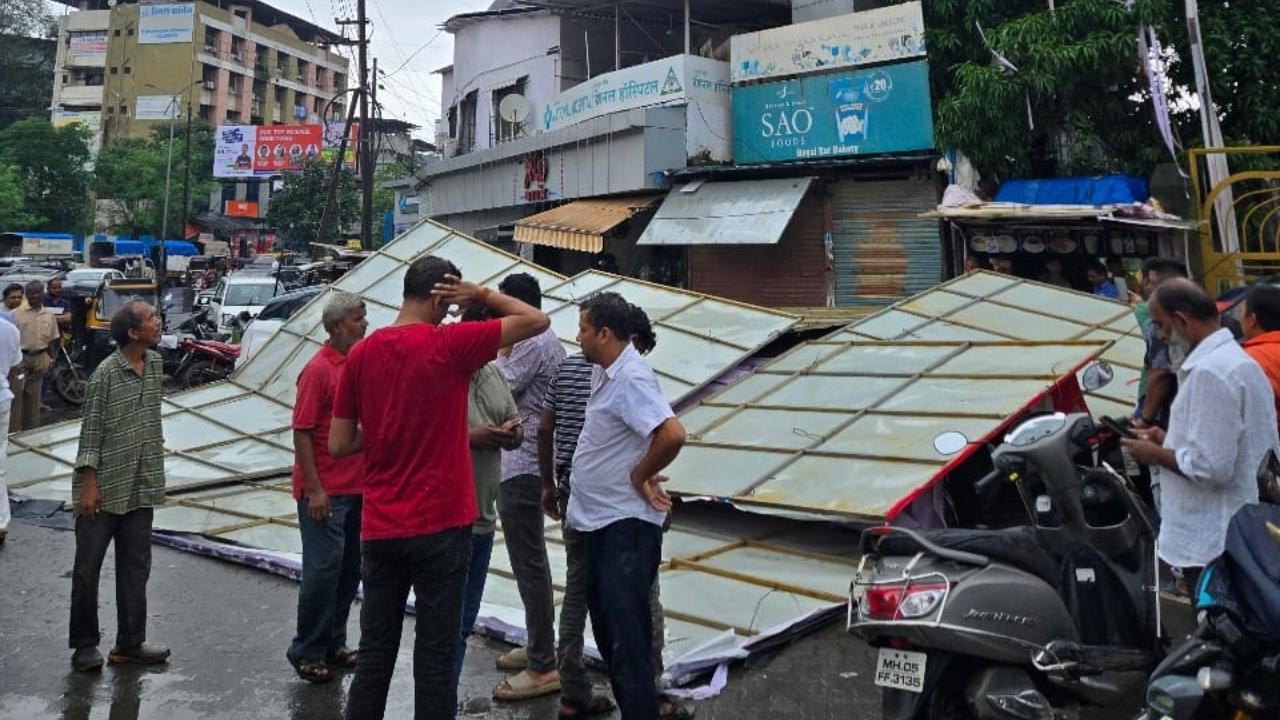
(901, 669)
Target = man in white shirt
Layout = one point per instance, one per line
(629, 435)
(10, 357)
(1221, 424)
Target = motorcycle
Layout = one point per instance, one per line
(69, 375)
(1036, 622)
(1230, 665)
(198, 354)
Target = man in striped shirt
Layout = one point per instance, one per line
(119, 479)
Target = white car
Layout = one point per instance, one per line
(238, 293)
(85, 281)
(273, 316)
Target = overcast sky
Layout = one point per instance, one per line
(407, 42)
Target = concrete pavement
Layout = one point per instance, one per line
(229, 626)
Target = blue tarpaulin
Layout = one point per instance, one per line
(1100, 190)
(180, 247)
(130, 247)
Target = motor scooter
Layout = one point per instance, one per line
(197, 354)
(1037, 622)
(1230, 665)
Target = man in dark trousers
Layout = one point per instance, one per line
(617, 504)
(119, 479)
(328, 494)
(406, 386)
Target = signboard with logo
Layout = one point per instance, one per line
(241, 208)
(157, 107)
(252, 150)
(47, 246)
(161, 24)
(90, 119)
(845, 41)
(88, 44)
(865, 112)
(680, 78)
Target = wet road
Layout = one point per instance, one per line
(228, 627)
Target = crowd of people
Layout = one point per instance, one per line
(31, 323)
(412, 444)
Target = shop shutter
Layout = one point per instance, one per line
(883, 251)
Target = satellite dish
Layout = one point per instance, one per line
(513, 108)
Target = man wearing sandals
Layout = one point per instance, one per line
(403, 400)
(617, 503)
(327, 491)
(528, 369)
(119, 479)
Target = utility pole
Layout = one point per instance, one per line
(362, 150)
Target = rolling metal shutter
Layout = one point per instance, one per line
(883, 251)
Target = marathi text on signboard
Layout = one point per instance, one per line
(159, 24)
(864, 112)
(679, 78)
(88, 44)
(252, 150)
(845, 41)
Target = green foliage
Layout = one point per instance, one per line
(295, 210)
(131, 173)
(51, 166)
(13, 215)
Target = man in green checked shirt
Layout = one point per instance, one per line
(119, 479)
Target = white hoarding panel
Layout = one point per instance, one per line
(233, 151)
(160, 24)
(845, 41)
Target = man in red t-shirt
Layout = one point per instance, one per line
(328, 495)
(406, 387)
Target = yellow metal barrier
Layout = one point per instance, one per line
(1255, 197)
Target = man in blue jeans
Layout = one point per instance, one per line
(628, 436)
(493, 423)
(328, 495)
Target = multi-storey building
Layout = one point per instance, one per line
(124, 67)
(139, 64)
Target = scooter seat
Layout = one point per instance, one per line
(1016, 546)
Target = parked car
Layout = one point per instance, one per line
(85, 281)
(241, 293)
(273, 316)
(23, 274)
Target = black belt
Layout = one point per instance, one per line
(34, 352)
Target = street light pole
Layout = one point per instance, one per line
(164, 219)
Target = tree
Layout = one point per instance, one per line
(51, 165)
(129, 172)
(24, 17)
(27, 59)
(200, 182)
(295, 210)
(13, 215)
(1076, 80)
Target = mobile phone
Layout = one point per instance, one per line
(1117, 428)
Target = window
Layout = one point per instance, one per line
(115, 70)
(117, 32)
(502, 129)
(253, 192)
(467, 126)
(66, 79)
(124, 109)
(111, 109)
(130, 32)
(210, 40)
(128, 69)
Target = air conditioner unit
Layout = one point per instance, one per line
(450, 147)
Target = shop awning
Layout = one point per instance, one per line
(749, 212)
(582, 224)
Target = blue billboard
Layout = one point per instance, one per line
(866, 112)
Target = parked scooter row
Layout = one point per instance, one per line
(1061, 617)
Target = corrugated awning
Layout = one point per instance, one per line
(581, 225)
(749, 212)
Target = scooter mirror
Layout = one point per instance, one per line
(950, 442)
(1097, 375)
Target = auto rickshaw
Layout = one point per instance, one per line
(110, 297)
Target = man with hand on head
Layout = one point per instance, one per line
(403, 400)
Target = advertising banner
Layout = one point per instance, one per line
(157, 107)
(253, 150)
(233, 151)
(865, 112)
(845, 41)
(675, 79)
(88, 45)
(90, 119)
(240, 208)
(160, 24)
